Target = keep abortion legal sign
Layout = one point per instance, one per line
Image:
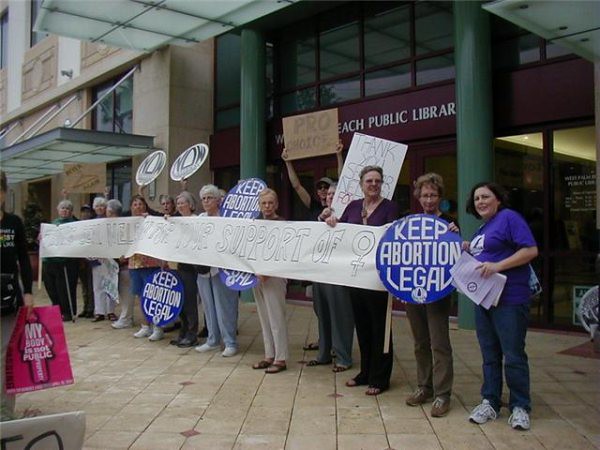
(414, 258)
(242, 200)
(162, 297)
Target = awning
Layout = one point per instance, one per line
(47, 153)
(149, 24)
(572, 24)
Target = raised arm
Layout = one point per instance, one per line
(295, 181)
(340, 160)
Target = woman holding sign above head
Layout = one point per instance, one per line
(269, 294)
(220, 303)
(503, 244)
(429, 322)
(140, 267)
(370, 307)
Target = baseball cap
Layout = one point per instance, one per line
(325, 180)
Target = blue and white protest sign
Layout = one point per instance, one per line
(162, 297)
(242, 200)
(236, 280)
(414, 258)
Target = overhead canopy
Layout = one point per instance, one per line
(47, 153)
(149, 24)
(572, 24)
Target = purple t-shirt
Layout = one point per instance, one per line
(386, 212)
(499, 238)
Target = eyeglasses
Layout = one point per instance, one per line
(429, 196)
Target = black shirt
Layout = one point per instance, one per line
(14, 256)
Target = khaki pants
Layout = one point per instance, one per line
(270, 305)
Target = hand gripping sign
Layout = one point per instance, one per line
(189, 162)
(162, 298)
(241, 201)
(414, 258)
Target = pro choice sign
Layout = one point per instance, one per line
(162, 297)
(414, 258)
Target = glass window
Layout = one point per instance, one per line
(297, 57)
(434, 27)
(516, 51)
(387, 80)
(115, 112)
(574, 228)
(339, 50)
(36, 36)
(298, 101)
(387, 36)
(435, 69)
(227, 118)
(228, 70)
(3, 40)
(340, 91)
(118, 178)
(554, 50)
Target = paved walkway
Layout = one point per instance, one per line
(143, 395)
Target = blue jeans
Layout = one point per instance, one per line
(220, 310)
(501, 333)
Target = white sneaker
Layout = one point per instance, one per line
(519, 419)
(483, 412)
(143, 332)
(229, 351)
(122, 323)
(206, 348)
(157, 334)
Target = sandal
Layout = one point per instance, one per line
(262, 364)
(112, 317)
(314, 362)
(276, 368)
(97, 318)
(311, 346)
(338, 368)
(372, 390)
(353, 382)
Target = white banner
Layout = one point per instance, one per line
(58, 431)
(368, 151)
(312, 251)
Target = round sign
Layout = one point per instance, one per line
(242, 200)
(189, 162)
(162, 297)
(236, 280)
(414, 258)
(588, 309)
(150, 168)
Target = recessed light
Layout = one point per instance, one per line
(525, 137)
(584, 39)
(563, 28)
(524, 6)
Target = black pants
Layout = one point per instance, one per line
(59, 287)
(370, 308)
(189, 312)
(85, 276)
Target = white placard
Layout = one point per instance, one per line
(311, 251)
(368, 151)
(57, 431)
(150, 168)
(189, 162)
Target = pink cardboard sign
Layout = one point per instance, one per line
(37, 356)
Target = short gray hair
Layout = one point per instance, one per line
(115, 206)
(99, 201)
(212, 190)
(188, 198)
(65, 204)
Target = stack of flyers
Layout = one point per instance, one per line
(468, 280)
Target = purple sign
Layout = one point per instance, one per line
(414, 258)
(236, 280)
(242, 200)
(162, 298)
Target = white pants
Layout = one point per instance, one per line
(125, 295)
(270, 305)
(105, 280)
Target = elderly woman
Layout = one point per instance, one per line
(269, 294)
(220, 302)
(186, 205)
(370, 307)
(140, 267)
(503, 244)
(334, 313)
(429, 322)
(60, 274)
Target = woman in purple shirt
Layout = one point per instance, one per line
(503, 244)
(370, 307)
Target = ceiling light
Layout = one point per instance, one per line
(524, 6)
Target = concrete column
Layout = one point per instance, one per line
(474, 121)
(253, 153)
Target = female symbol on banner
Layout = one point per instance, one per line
(189, 162)
(241, 201)
(162, 298)
(414, 258)
(150, 168)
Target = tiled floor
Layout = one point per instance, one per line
(143, 395)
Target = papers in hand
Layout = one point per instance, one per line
(468, 280)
